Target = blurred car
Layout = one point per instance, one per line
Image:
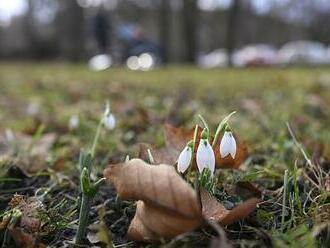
(214, 59)
(254, 55)
(303, 52)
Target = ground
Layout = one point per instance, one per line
(37, 100)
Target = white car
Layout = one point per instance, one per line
(256, 54)
(214, 59)
(303, 52)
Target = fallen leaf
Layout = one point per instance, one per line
(30, 208)
(245, 190)
(221, 241)
(26, 232)
(24, 239)
(177, 138)
(167, 205)
(37, 151)
(169, 156)
(214, 211)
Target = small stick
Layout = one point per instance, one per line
(284, 198)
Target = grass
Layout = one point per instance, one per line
(38, 99)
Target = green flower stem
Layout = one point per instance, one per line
(221, 128)
(206, 126)
(83, 218)
(193, 150)
(197, 190)
(195, 138)
(6, 239)
(97, 136)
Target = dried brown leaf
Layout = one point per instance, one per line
(24, 239)
(167, 205)
(214, 211)
(243, 189)
(26, 232)
(11, 143)
(177, 138)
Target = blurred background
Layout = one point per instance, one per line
(142, 34)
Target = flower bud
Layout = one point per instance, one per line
(184, 159)
(228, 145)
(109, 121)
(205, 156)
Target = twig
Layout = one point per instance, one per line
(284, 198)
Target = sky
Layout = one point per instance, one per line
(9, 8)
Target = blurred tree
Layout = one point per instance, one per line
(317, 29)
(70, 24)
(232, 25)
(190, 22)
(164, 28)
(30, 29)
(101, 29)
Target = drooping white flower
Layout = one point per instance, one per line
(109, 121)
(184, 159)
(74, 122)
(228, 145)
(33, 108)
(205, 156)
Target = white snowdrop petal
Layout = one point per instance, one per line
(228, 145)
(233, 147)
(225, 145)
(184, 159)
(205, 156)
(211, 162)
(74, 122)
(110, 121)
(200, 156)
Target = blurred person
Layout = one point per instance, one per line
(102, 30)
(136, 42)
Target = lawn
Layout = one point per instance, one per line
(39, 149)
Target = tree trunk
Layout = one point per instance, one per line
(164, 28)
(30, 33)
(70, 28)
(232, 25)
(190, 16)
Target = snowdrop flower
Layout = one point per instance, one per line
(185, 158)
(109, 120)
(74, 122)
(228, 144)
(33, 108)
(9, 135)
(205, 155)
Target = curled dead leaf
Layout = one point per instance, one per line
(243, 189)
(24, 239)
(216, 212)
(26, 231)
(177, 138)
(167, 205)
(28, 148)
